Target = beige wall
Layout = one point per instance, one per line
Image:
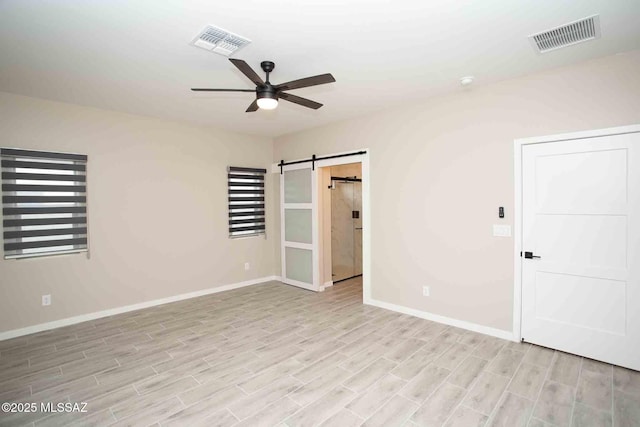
(440, 170)
(157, 211)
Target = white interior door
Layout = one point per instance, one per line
(581, 217)
(299, 226)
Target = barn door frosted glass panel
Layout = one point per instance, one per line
(297, 223)
(297, 186)
(299, 265)
(297, 226)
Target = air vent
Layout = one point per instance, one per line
(566, 35)
(215, 39)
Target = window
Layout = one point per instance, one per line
(44, 203)
(246, 201)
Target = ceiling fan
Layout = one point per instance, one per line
(267, 94)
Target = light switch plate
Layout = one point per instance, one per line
(501, 230)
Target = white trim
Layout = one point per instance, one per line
(315, 229)
(518, 144)
(298, 205)
(579, 135)
(46, 254)
(366, 227)
(283, 258)
(486, 330)
(298, 245)
(119, 310)
(328, 284)
(303, 285)
(517, 242)
(296, 166)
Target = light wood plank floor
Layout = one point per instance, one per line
(273, 354)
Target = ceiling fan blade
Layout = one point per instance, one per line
(300, 101)
(306, 82)
(199, 89)
(253, 107)
(247, 71)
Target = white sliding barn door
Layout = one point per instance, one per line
(581, 217)
(299, 226)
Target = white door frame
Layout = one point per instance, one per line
(517, 235)
(366, 211)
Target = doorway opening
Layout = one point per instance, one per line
(342, 216)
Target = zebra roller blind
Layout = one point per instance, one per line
(246, 201)
(44, 202)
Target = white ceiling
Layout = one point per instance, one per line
(134, 55)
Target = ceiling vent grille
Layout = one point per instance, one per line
(218, 40)
(566, 35)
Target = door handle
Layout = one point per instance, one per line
(358, 228)
(529, 255)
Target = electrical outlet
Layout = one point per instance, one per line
(247, 266)
(46, 300)
(425, 291)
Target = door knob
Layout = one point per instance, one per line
(529, 255)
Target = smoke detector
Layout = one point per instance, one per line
(567, 35)
(466, 81)
(218, 40)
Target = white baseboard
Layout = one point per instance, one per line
(118, 310)
(328, 284)
(499, 333)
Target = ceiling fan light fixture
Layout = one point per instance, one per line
(267, 103)
(267, 100)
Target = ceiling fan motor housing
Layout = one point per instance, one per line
(267, 91)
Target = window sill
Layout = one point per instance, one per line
(46, 254)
